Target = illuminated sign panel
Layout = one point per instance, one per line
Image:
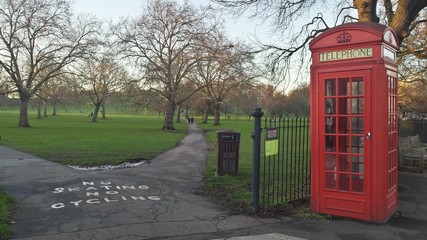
(346, 54)
(389, 54)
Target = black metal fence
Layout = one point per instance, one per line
(284, 161)
(285, 171)
(412, 127)
(282, 157)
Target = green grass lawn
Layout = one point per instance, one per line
(73, 139)
(234, 191)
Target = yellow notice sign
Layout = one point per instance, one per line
(271, 147)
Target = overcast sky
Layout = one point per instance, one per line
(242, 28)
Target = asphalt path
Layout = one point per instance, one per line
(160, 200)
(154, 200)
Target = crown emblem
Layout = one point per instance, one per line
(344, 37)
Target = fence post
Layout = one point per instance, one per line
(256, 135)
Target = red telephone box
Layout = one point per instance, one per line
(354, 135)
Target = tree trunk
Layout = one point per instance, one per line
(23, 112)
(95, 112)
(205, 116)
(170, 110)
(178, 115)
(44, 108)
(366, 10)
(39, 110)
(54, 110)
(217, 114)
(103, 110)
(406, 13)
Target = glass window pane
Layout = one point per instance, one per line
(343, 144)
(330, 143)
(343, 163)
(357, 105)
(330, 125)
(357, 125)
(343, 86)
(357, 144)
(330, 180)
(344, 182)
(343, 124)
(330, 163)
(355, 141)
(357, 86)
(343, 105)
(330, 87)
(330, 106)
(390, 142)
(358, 164)
(395, 123)
(358, 183)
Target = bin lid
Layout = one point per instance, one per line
(226, 131)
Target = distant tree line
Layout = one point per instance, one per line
(238, 104)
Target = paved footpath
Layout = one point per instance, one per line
(160, 201)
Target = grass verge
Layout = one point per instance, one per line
(234, 191)
(5, 206)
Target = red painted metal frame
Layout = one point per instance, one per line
(364, 189)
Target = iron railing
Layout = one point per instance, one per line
(281, 161)
(285, 176)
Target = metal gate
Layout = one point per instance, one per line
(284, 161)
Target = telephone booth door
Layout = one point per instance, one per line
(344, 152)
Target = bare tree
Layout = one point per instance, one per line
(271, 100)
(164, 40)
(38, 39)
(413, 69)
(53, 92)
(245, 99)
(199, 105)
(156, 103)
(226, 66)
(99, 76)
(401, 15)
(298, 101)
(413, 95)
(185, 90)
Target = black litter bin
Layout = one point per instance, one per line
(228, 152)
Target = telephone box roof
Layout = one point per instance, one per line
(351, 33)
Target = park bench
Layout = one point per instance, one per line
(412, 154)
